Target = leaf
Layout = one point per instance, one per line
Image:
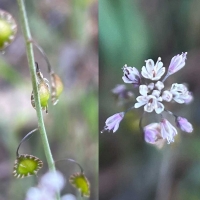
(26, 165)
(80, 182)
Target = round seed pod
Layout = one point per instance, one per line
(80, 182)
(26, 165)
(8, 29)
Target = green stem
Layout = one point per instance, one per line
(31, 63)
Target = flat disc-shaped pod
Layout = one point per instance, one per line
(26, 165)
(8, 29)
(80, 182)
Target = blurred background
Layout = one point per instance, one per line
(67, 31)
(130, 32)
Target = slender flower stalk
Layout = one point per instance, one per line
(31, 63)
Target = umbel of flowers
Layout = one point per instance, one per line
(153, 96)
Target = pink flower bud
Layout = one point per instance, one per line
(152, 133)
(184, 125)
(112, 123)
(177, 62)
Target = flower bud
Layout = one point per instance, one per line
(8, 29)
(177, 62)
(184, 125)
(112, 123)
(121, 92)
(56, 88)
(152, 133)
(167, 96)
(131, 75)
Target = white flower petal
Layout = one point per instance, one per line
(167, 96)
(160, 108)
(143, 89)
(144, 73)
(156, 93)
(139, 104)
(148, 107)
(149, 65)
(151, 86)
(126, 80)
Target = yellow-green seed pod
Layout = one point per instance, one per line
(56, 88)
(44, 94)
(43, 90)
(8, 29)
(80, 182)
(26, 165)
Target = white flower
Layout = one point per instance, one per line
(68, 197)
(35, 193)
(167, 96)
(167, 130)
(177, 62)
(131, 75)
(150, 101)
(151, 71)
(180, 93)
(52, 181)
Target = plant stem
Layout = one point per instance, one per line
(31, 63)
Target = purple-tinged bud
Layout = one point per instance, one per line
(184, 125)
(112, 123)
(152, 133)
(121, 92)
(189, 98)
(167, 130)
(177, 62)
(131, 75)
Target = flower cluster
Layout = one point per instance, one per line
(49, 185)
(153, 95)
